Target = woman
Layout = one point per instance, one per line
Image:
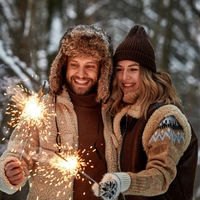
(156, 144)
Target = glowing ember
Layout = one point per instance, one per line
(68, 163)
(28, 106)
(32, 108)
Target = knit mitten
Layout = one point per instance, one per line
(112, 185)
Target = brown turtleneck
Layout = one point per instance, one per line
(90, 130)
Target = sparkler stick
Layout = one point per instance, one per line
(87, 176)
(23, 148)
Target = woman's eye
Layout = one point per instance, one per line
(133, 69)
(118, 69)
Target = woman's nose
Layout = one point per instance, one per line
(125, 75)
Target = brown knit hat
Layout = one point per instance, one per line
(136, 47)
(84, 40)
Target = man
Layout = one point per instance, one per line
(79, 84)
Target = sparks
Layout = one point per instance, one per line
(28, 106)
(33, 111)
(68, 163)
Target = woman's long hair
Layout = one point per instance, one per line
(153, 87)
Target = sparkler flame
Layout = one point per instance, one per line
(28, 106)
(70, 163)
(32, 108)
(74, 164)
(33, 111)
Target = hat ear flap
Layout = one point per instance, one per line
(57, 74)
(103, 90)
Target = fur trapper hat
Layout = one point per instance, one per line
(84, 40)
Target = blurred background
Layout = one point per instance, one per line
(30, 32)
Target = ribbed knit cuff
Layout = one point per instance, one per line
(124, 179)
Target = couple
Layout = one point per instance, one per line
(134, 133)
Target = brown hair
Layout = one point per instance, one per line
(154, 87)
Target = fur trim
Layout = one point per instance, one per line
(132, 110)
(84, 40)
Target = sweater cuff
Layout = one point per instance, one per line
(124, 179)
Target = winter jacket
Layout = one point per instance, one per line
(159, 153)
(47, 182)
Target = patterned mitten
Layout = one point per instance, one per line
(111, 185)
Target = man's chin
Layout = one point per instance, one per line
(81, 91)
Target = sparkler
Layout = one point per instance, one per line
(68, 163)
(74, 164)
(29, 107)
(87, 176)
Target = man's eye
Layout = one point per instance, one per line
(90, 66)
(73, 65)
(118, 69)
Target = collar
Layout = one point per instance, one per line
(83, 100)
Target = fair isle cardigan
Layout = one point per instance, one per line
(161, 164)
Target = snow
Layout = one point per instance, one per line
(16, 65)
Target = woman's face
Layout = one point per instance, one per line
(127, 73)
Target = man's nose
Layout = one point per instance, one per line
(81, 72)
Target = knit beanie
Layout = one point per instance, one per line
(136, 47)
(84, 40)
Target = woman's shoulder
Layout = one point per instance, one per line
(170, 118)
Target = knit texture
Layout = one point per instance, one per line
(161, 168)
(124, 180)
(136, 47)
(46, 181)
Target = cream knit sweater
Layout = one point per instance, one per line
(47, 182)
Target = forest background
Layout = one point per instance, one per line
(30, 32)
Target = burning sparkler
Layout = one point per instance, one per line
(29, 107)
(74, 164)
(68, 163)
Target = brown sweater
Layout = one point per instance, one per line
(90, 134)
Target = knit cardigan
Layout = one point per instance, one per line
(163, 151)
(45, 181)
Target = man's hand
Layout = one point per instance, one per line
(13, 171)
